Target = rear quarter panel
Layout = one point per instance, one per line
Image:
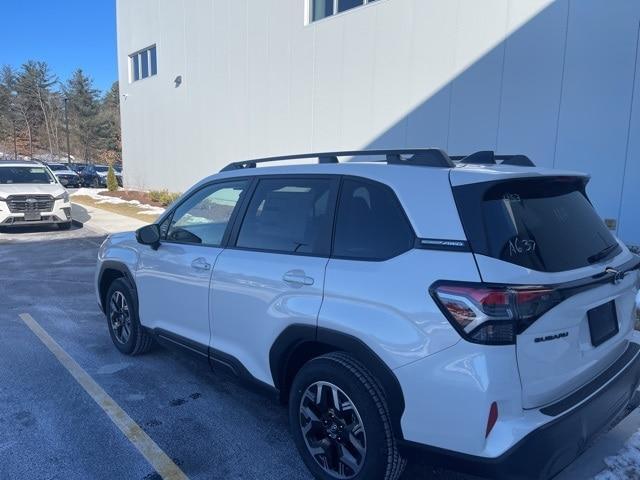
(387, 304)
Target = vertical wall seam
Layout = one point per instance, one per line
(409, 89)
(504, 60)
(341, 103)
(247, 152)
(626, 150)
(451, 84)
(313, 89)
(564, 62)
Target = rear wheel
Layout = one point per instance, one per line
(341, 423)
(127, 334)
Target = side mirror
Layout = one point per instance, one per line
(149, 235)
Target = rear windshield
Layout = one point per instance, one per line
(545, 224)
(10, 175)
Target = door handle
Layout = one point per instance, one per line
(201, 264)
(297, 278)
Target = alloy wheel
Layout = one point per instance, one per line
(333, 430)
(120, 317)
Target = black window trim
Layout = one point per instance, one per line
(232, 230)
(334, 190)
(227, 231)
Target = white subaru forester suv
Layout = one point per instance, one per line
(472, 310)
(31, 195)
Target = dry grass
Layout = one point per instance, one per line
(119, 208)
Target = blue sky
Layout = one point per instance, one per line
(67, 34)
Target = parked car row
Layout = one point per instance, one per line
(76, 175)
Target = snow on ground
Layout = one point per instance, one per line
(95, 194)
(626, 464)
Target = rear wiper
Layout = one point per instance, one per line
(602, 254)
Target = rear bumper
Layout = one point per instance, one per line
(550, 448)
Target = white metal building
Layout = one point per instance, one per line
(207, 82)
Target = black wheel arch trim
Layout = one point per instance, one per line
(295, 336)
(118, 267)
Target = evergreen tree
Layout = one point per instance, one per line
(83, 105)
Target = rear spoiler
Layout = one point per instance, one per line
(488, 157)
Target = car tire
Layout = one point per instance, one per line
(96, 183)
(319, 426)
(64, 226)
(121, 308)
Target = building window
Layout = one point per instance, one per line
(143, 64)
(320, 9)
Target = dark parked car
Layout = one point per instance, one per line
(65, 175)
(96, 176)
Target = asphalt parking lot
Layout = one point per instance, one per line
(208, 423)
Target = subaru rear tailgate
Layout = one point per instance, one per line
(540, 236)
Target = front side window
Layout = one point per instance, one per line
(370, 223)
(202, 219)
(289, 216)
(143, 64)
(25, 175)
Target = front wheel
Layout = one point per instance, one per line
(340, 421)
(127, 334)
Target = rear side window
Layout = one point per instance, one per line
(370, 223)
(545, 224)
(291, 215)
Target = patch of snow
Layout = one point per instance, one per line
(152, 211)
(624, 465)
(95, 195)
(89, 192)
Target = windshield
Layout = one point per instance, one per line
(545, 224)
(57, 167)
(101, 168)
(14, 175)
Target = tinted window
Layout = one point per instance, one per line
(289, 215)
(371, 224)
(203, 217)
(144, 63)
(543, 224)
(348, 4)
(154, 61)
(322, 9)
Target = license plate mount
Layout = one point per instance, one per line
(32, 217)
(603, 323)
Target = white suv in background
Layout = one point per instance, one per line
(30, 195)
(475, 310)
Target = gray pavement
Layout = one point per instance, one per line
(50, 428)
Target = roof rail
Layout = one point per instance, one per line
(488, 157)
(428, 157)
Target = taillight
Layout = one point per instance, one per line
(492, 315)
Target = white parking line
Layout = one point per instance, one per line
(159, 460)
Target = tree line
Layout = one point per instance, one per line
(33, 120)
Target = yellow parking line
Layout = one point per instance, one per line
(159, 460)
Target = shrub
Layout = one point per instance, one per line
(112, 181)
(163, 197)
